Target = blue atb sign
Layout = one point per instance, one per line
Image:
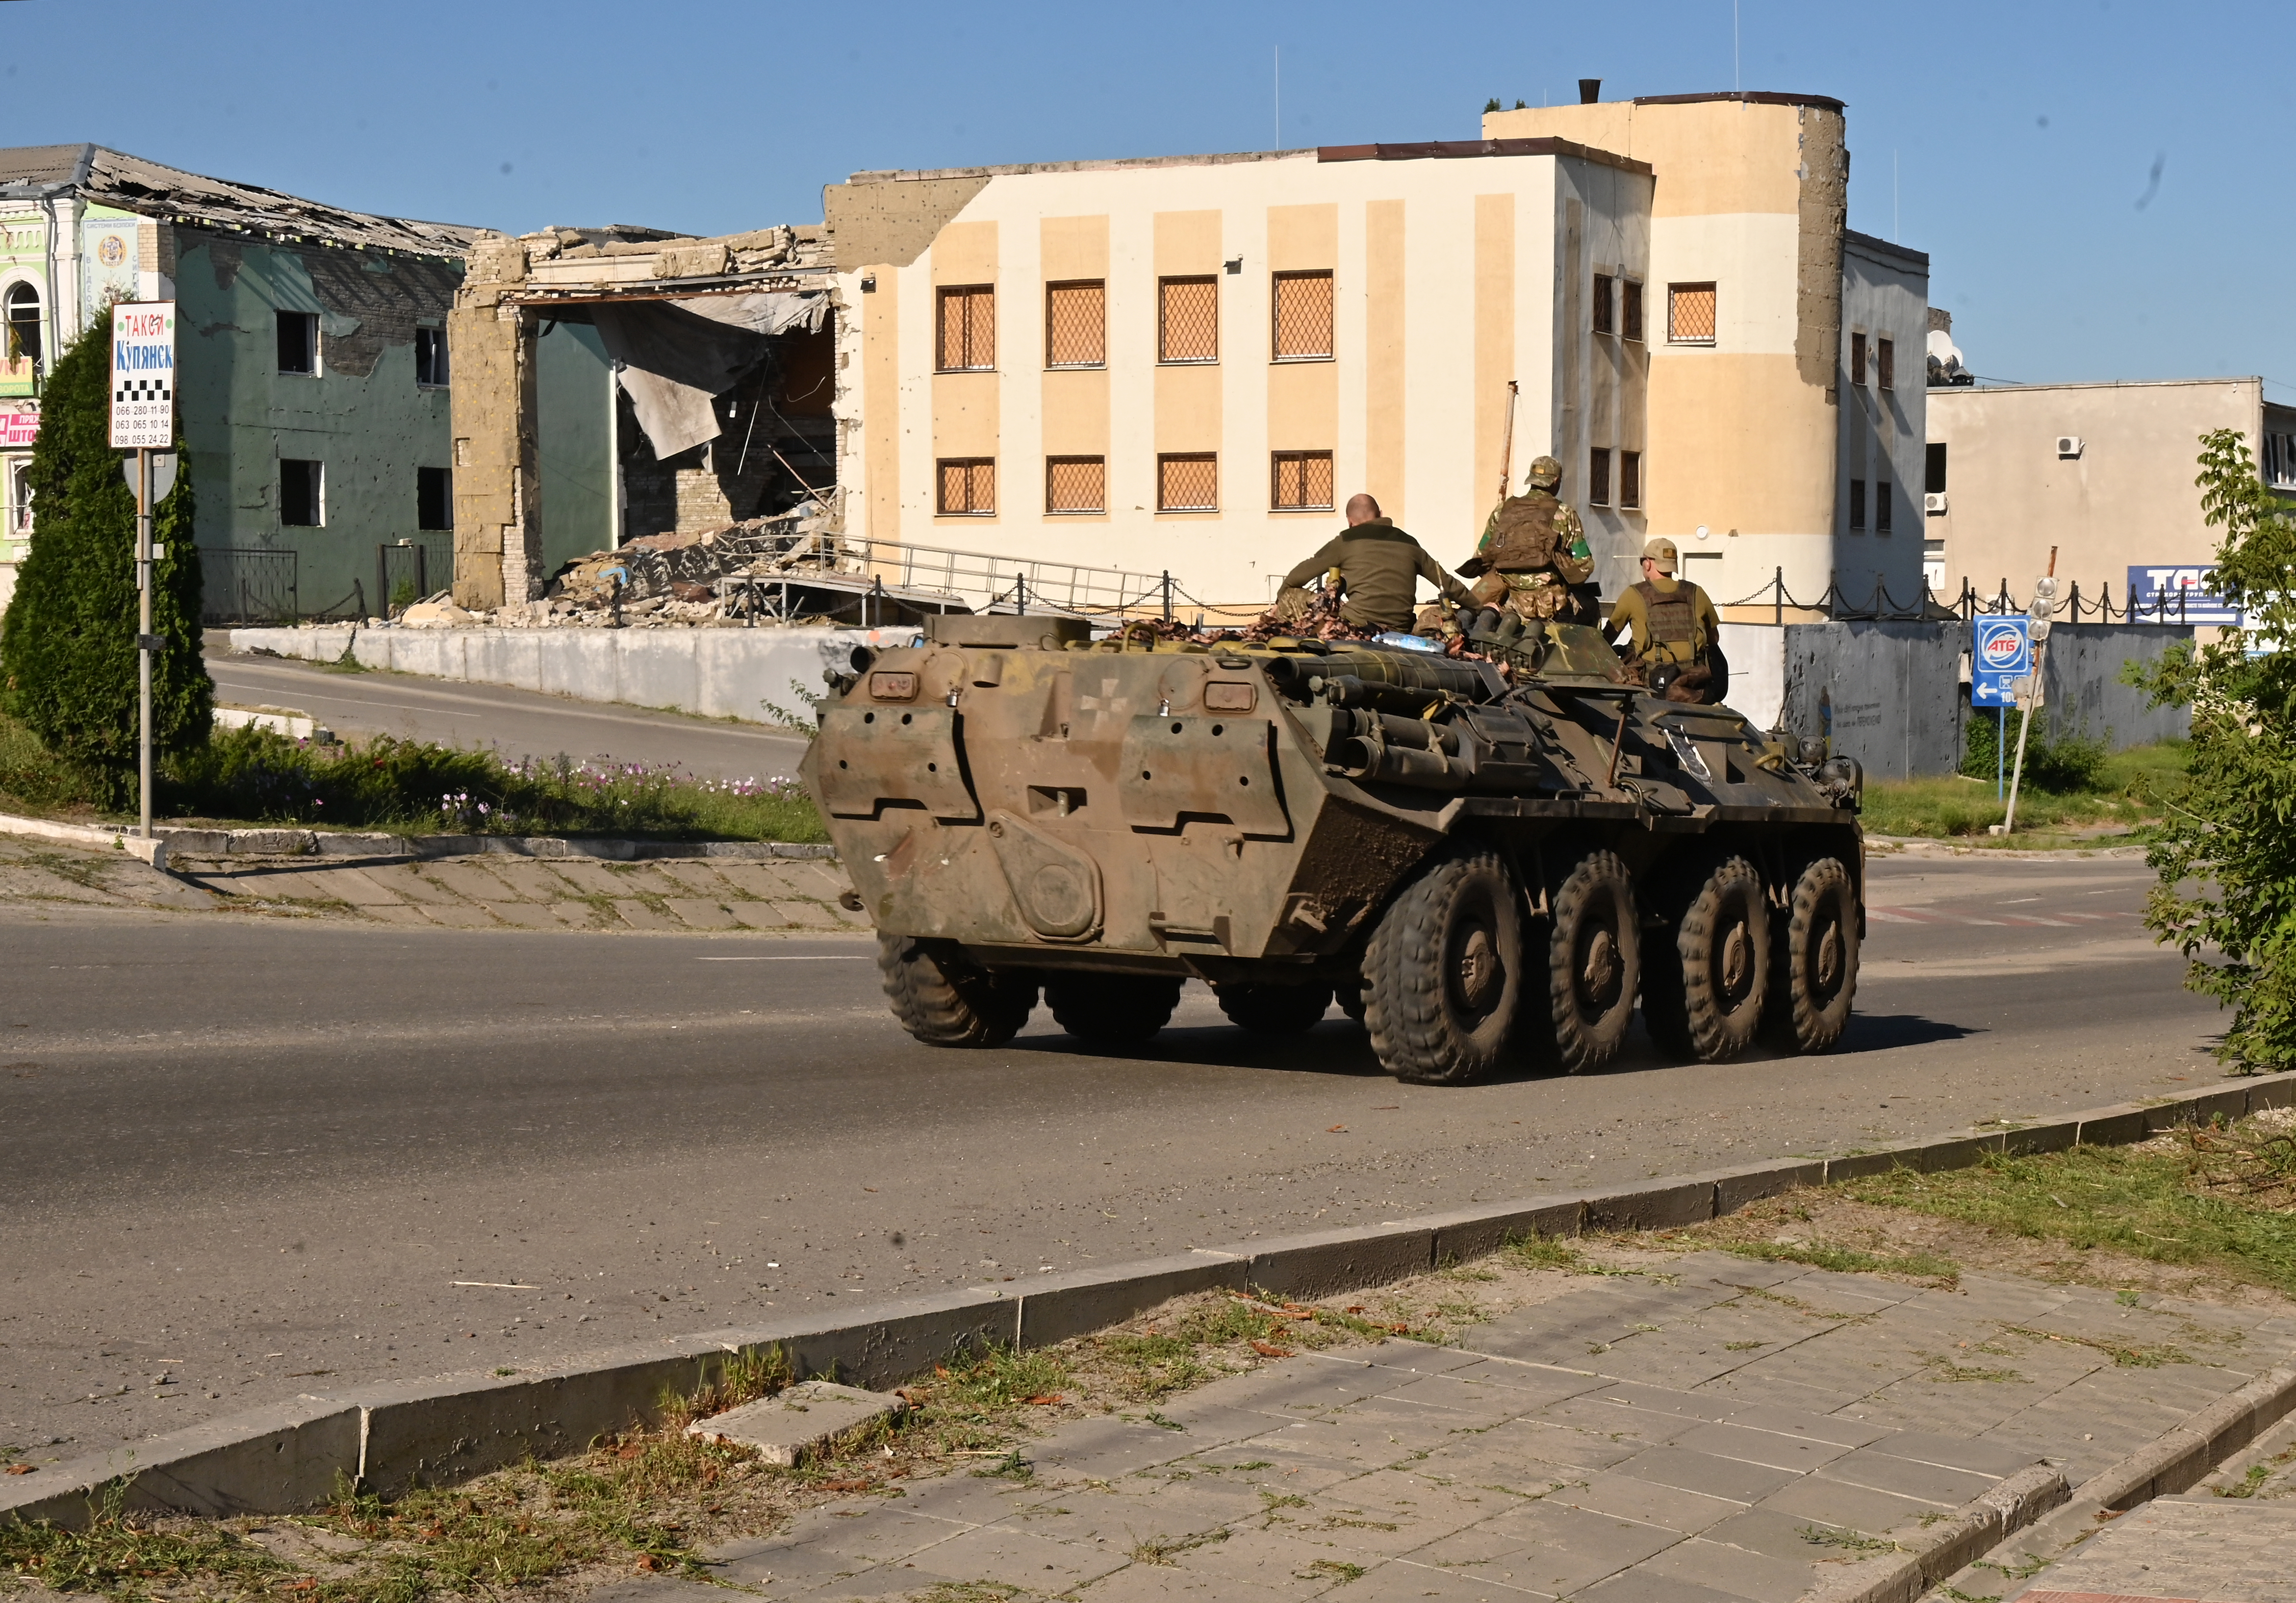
(2000, 650)
(2165, 595)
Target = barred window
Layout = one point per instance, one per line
(1598, 477)
(1302, 481)
(1303, 315)
(1858, 504)
(1630, 313)
(968, 329)
(1885, 364)
(1187, 320)
(968, 486)
(1630, 480)
(1857, 359)
(1076, 484)
(1690, 313)
(1603, 324)
(1884, 504)
(1076, 324)
(1188, 483)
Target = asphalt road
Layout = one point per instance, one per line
(257, 1157)
(519, 723)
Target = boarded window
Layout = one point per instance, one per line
(1631, 310)
(1885, 364)
(434, 498)
(968, 329)
(1303, 315)
(1598, 476)
(430, 359)
(1076, 324)
(1076, 484)
(1690, 313)
(1858, 504)
(298, 342)
(1302, 481)
(1604, 304)
(968, 486)
(1857, 359)
(1187, 320)
(302, 494)
(1188, 483)
(1884, 504)
(1933, 472)
(1630, 480)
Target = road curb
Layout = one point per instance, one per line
(2183, 1458)
(286, 1456)
(1971, 1531)
(154, 851)
(330, 842)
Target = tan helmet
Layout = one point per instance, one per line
(1662, 553)
(1545, 473)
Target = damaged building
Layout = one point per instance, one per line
(313, 368)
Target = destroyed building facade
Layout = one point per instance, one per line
(313, 367)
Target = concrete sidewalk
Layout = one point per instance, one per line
(1725, 1429)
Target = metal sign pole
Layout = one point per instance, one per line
(144, 634)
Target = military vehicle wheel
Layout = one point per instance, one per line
(1814, 968)
(1594, 962)
(1112, 1009)
(944, 1000)
(1274, 1010)
(1443, 972)
(1706, 981)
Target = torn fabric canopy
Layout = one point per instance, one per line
(677, 357)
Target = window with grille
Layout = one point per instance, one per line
(1857, 359)
(1884, 504)
(1631, 310)
(968, 486)
(1598, 476)
(1885, 364)
(1302, 481)
(1858, 504)
(1187, 320)
(1303, 315)
(1076, 484)
(1188, 483)
(1603, 303)
(1690, 313)
(968, 329)
(1630, 480)
(1076, 324)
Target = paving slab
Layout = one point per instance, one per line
(696, 913)
(2220, 1550)
(796, 1422)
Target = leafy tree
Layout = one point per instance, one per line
(2226, 851)
(68, 664)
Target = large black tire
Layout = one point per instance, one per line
(1274, 1010)
(1706, 981)
(1594, 962)
(1112, 1009)
(1349, 994)
(1814, 966)
(1443, 971)
(945, 1000)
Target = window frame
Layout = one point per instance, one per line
(1630, 481)
(1885, 364)
(972, 293)
(1051, 288)
(1165, 457)
(1276, 281)
(1709, 288)
(308, 320)
(1631, 310)
(447, 498)
(1603, 306)
(318, 492)
(1884, 504)
(1856, 506)
(441, 364)
(1598, 476)
(970, 464)
(1051, 462)
(1933, 468)
(1276, 460)
(1165, 283)
(1858, 358)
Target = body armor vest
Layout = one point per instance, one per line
(1673, 614)
(1526, 537)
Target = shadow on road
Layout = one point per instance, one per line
(1879, 1031)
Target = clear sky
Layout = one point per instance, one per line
(2099, 183)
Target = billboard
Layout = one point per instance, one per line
(2000, 651)
(144, 375)
(2184, 589)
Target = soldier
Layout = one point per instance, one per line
(1677, 631)
(1532, 550)
(1379, 564)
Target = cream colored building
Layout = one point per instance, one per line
(2102, 472)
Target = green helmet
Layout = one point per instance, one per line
(1545, 473)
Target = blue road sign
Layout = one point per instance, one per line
(2001, 649)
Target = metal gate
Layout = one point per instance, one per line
(247, 585)
(408, 570)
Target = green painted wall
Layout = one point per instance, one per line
(574, 399)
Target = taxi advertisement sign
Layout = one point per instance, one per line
(144, 375)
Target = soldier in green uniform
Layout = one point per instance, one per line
(1676, 633)
(1532, 550)
(1380, 566)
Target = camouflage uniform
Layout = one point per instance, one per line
(1533, 549)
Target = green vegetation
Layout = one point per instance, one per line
(2228, 838)
(68, 656)
(2123, 791)
(1848, 1260)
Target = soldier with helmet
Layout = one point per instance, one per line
(1677, 631)
(1533, 551)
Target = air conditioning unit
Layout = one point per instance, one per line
(1933, 504)
(2069, 446)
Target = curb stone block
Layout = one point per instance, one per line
(1859, 1166)
(2278, 1091)
(1937, 1551)
(2231, 1103)
(1664, 1206)
(2115, 1126)
(195, 843)
(2183, 1457)
(264, 1460)
(1964, 1152)
(1057, 1306)
(330, 844)
(2056, 1135)
(1734, 1189)
(890, 1342)
(271, 843)
(1334, 1261)
(1473, 1233)
(793, 1425)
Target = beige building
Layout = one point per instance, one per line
(2102, 472)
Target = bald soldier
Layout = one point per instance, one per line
(1532, 550)
(1673, 621)
(1381, 568)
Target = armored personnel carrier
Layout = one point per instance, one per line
(1481, 866)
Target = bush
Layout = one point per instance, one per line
(2057, 758)
(67, 658)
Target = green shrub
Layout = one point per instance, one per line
(2057, 757)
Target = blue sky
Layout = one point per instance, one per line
(2016, 142)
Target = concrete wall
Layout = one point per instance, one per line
(716, 673)
(1885, 296)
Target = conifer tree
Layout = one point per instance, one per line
(68, 665)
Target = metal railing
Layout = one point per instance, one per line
(1833, 602)
(983, 581)
(247, 585)
(408, 569)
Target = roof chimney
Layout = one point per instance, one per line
(1590, 90)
